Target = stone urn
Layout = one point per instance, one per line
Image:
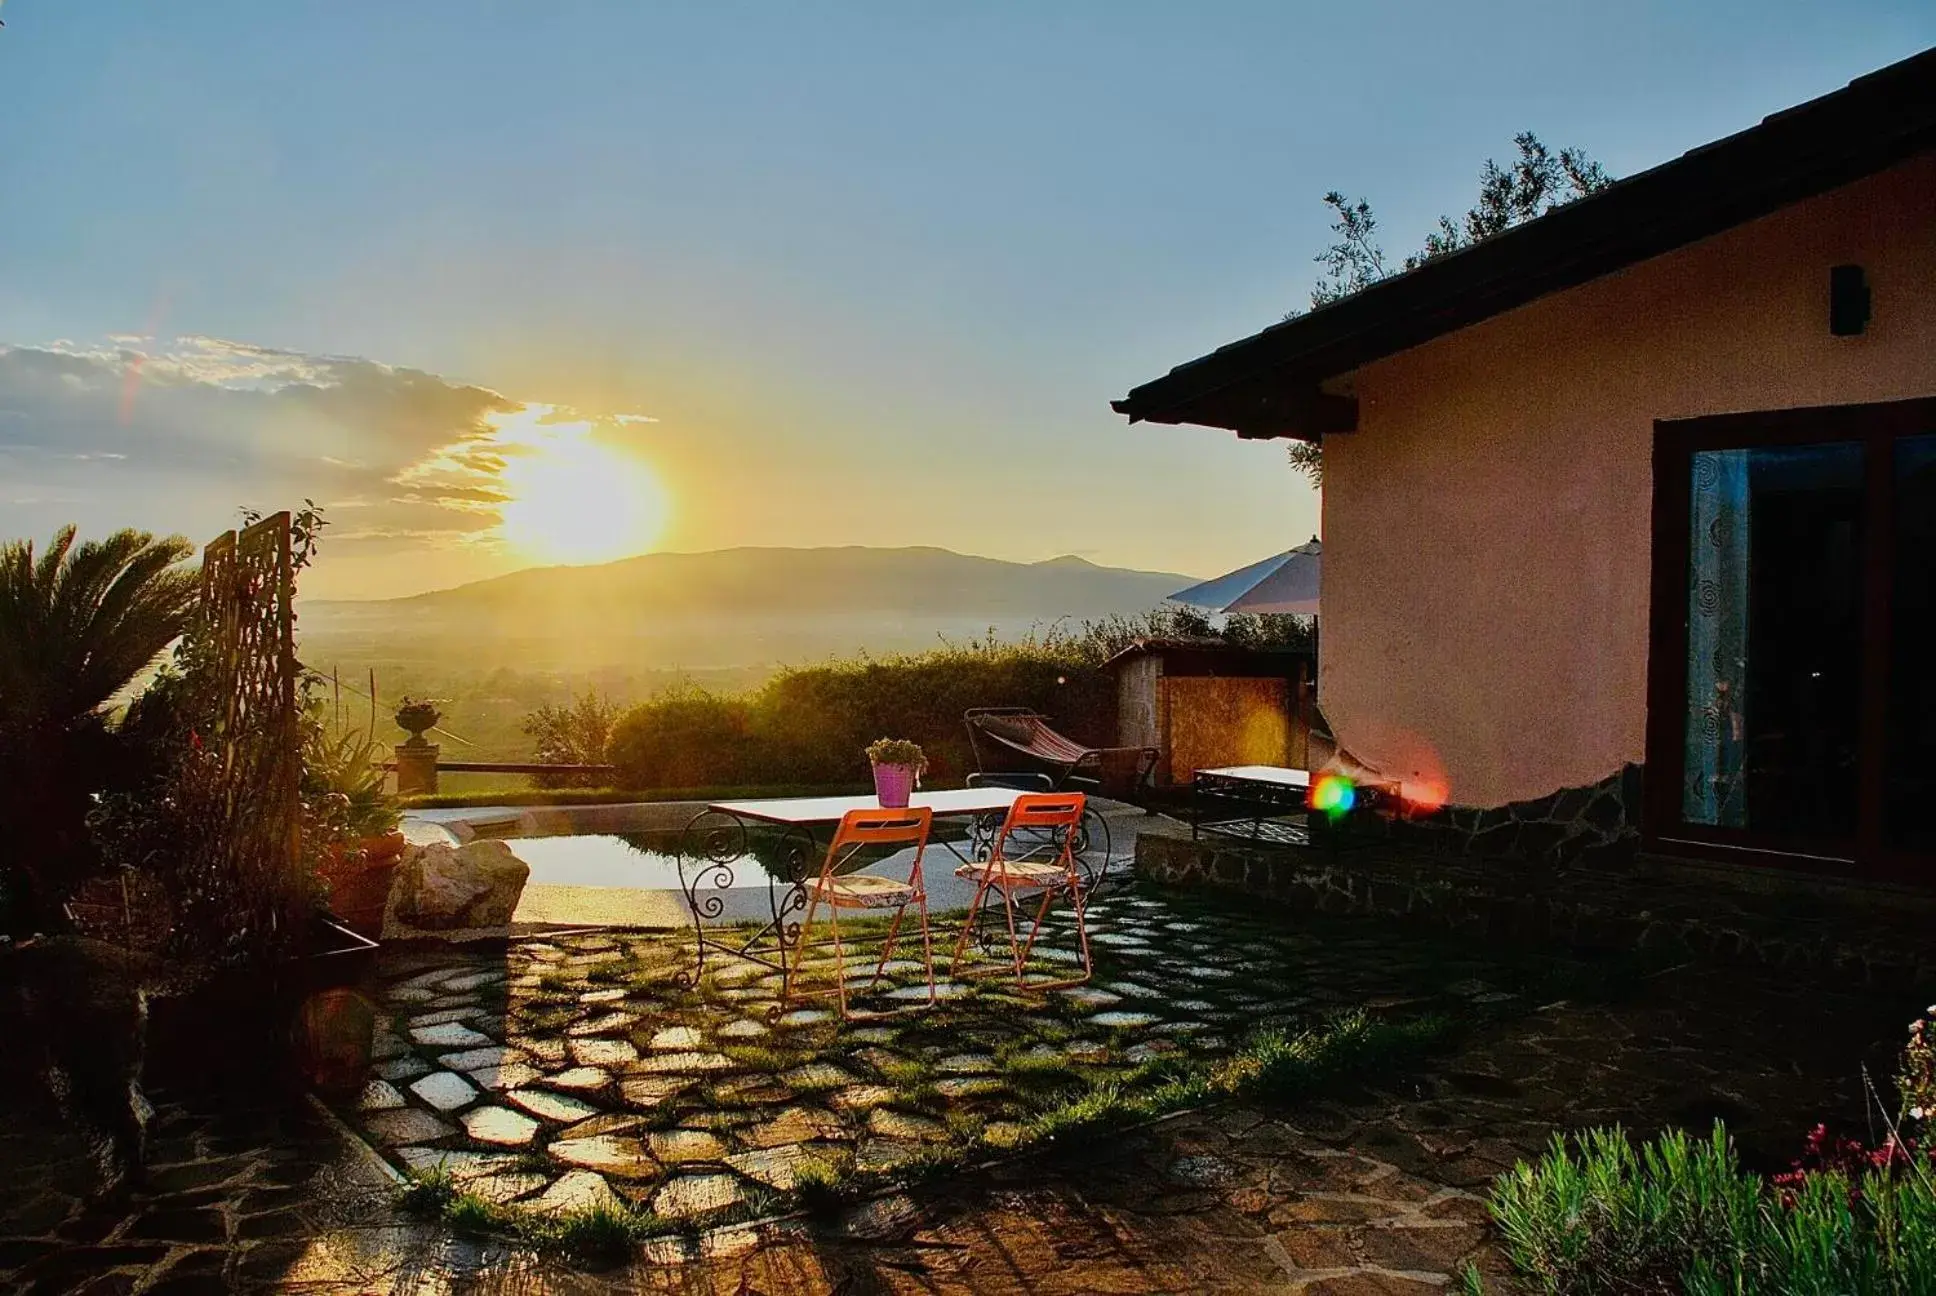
(416, 755)
(417, 718)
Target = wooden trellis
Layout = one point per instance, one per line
(248, 632)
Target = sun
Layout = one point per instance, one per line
(571, 499)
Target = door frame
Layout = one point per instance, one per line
(1877, 426)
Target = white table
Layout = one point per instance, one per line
(821, 811)
(1264, 804)
(719, 839)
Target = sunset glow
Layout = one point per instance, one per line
(570, 498)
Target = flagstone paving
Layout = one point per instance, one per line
(1380, 1192)
(724, 1092)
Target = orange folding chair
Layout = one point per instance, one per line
(1042, 858)
(860, 828)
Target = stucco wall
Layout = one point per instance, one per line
(1487, 529)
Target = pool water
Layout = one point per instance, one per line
(633, 880)
(608, 860)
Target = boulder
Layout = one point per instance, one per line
(442, 888)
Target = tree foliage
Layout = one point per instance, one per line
(79, 621)
(578, 733)
(1526, 188)
(810, 725)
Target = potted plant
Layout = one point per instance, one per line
(898, 766)
(355, 824)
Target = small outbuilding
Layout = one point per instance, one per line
(1205, 704)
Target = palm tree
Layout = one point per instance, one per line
(78, 623)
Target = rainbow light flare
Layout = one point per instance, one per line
(1334, 795)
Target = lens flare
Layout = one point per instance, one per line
(1334, 795)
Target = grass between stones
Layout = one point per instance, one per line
(1274, 1066)
(600, 1234)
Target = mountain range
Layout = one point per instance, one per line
(731, 608)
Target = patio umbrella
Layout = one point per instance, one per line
(1286, 582)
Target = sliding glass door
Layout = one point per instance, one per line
(1909, 761)
(1792, 692)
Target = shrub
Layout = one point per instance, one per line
(578, 734)
(1679, 1214)
(812, 724)
(342, 781)
(687, 737)
(1916, 1075)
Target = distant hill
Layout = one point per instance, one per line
(726, 609)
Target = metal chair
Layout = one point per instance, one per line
(1053, 820)
(861, 828)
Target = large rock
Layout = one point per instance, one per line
(441, 888)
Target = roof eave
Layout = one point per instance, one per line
(1268, 384)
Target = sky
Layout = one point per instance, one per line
(509, 284)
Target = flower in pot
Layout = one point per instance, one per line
(898, 766)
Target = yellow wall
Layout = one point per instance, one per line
(1215, 721)
(1487, 529)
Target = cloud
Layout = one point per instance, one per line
(176, 434)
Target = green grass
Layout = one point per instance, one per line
(550, 1020)
(758, 1057)
(820, 1186)
(965, 1126)
(1275, 1066)
(904, 1073)
(609, 970)
(597, 1234)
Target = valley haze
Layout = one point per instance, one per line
(729, 608)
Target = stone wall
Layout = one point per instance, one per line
(1597, 825)
(1671, 911)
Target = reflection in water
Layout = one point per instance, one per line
(644, 861)
(632, 879)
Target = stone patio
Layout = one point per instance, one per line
(1377, 1192)
(551, 1073)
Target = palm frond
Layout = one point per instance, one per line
(79, 621)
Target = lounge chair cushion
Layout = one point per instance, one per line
(862, 891)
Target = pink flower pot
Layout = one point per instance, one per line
(894, 784)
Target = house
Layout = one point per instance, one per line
(1630, 511)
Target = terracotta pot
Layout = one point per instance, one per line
(239, 1027)
(333, 1036)
(359, 877)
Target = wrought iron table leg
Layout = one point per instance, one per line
(711, 846)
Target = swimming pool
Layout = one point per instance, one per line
(618, 866)
(614, 862)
